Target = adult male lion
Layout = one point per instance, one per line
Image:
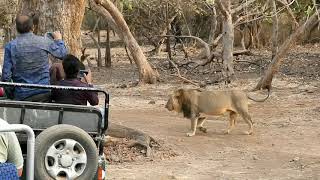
(194, 102)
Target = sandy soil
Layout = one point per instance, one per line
(284, 145)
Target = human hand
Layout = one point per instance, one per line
(88, 77)
(57, 35)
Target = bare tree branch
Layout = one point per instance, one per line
(242, 6)
(223, 9)
(204, 44)
(266, 80)
(284, 3)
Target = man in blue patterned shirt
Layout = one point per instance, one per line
(26, 60)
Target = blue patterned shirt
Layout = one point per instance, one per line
(26, 61)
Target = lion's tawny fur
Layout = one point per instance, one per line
(195, 103)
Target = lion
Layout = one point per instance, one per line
(195, 103)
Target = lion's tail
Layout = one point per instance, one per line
(260, 100)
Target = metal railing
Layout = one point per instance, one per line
(50, 87)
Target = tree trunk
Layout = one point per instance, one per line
(99, 61)
(146, 73)
(140, 138)
(243, 42)
(266, 80)
(214, 25)
(68, 20)
(98, 49)
(27, 6)
(64, 16)
(108, 49)
(275, 26)
(228, 38)
(168, 24)
(163, 31)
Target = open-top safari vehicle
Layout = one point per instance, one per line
(69, 138)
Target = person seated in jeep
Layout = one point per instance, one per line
(26, 60)
(71, 66)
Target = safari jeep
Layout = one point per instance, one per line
(69, 138)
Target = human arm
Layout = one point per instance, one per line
(56, 73)
(92, 97)
(57, 48)
(14, 152)
(7, 65)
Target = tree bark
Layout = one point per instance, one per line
(64, 16)
(27, 6)
(99, 61)
(108, 49)
(242, 35)
(266, 80)
(275, 27)
(104, 13)
(214, 24)
(291, 13)
(96, 43)
(146, 73)
(163, 32)
(228, 38)
(168, 47)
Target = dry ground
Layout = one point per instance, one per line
(285, 144)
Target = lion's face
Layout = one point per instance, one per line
(173, 103)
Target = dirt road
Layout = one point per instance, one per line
(285, 144)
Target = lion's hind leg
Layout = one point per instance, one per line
(247, 118)
(232, 121)
(201, 120)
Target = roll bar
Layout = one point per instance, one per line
(71, 88)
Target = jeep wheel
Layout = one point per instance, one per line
(66, 152)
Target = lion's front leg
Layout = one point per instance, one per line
(194, 122)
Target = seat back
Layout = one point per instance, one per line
(8, 171)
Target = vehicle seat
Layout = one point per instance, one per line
(8, 171)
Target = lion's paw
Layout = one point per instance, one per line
(190, 134)
(203, 129)
(248, 132)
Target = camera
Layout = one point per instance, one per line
(82, 72)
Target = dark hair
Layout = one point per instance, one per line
(24, 24)
(71, 66)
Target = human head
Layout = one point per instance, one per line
(71, 66)
(24, 24)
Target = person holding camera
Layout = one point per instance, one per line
(26, 60)
(73, 77)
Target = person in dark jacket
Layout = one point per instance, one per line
(71, 66)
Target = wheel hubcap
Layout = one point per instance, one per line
(65, 161)
(65, 158)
